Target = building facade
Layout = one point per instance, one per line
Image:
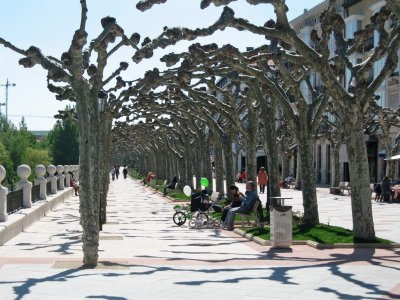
(356, 14)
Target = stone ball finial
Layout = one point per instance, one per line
(40, 170)
(66, 169)
(51, 169)
(23, 172)
(2, 173)
(60, 169)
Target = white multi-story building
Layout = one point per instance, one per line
(356, 15)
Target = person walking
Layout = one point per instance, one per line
(125, 172)
(117, 171)
(262, 179)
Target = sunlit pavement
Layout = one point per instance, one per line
(145, 255)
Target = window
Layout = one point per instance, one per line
(352, 27)
(394, 100)
(331, 44)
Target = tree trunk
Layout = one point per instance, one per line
(219, 168)
(189, 165)
(271, 150)
(197, 165)
(105, 145)
(251, 165)
(182, 172)
(335, 165)
(363, 223)
(297, 162)
(308, 181)
(285, 164)
(87, 204)
(174, 164)
(207, 171)
(229, 162)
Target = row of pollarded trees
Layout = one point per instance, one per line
(80, 75)
(197, 118)
(279, 84)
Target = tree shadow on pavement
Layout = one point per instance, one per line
(106, 297)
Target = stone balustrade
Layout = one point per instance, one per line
(24, 171)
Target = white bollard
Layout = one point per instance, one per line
(3, 196)
(60, 176)
(67, 176)
(40, 170)
(23, 172)
(51, 169)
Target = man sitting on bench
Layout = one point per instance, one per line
(171, 185)
(246, 206)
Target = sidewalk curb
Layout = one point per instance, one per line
(316, 245)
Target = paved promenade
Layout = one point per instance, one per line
(145, 256)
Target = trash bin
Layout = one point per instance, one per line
(281, 226)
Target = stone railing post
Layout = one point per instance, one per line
(67, 176)
(60, 176)
(3, 196)
(51, 169)
(40, 170)
(23, 172)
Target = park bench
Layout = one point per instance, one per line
(344, 186)
(253, 213)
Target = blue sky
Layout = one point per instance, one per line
(50, 24)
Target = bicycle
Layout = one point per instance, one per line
(183, 213)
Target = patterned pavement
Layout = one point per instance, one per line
(145, 256)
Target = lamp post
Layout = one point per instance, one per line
(7, 84)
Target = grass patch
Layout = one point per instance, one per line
(321, 233)
(178, 195)
(135, 174)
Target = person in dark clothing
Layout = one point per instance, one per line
(236, 194)
(378, 192)
(116, 171)
(125, 172)
(386, 188)
(171, 185)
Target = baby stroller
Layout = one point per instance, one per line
(201, 207)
